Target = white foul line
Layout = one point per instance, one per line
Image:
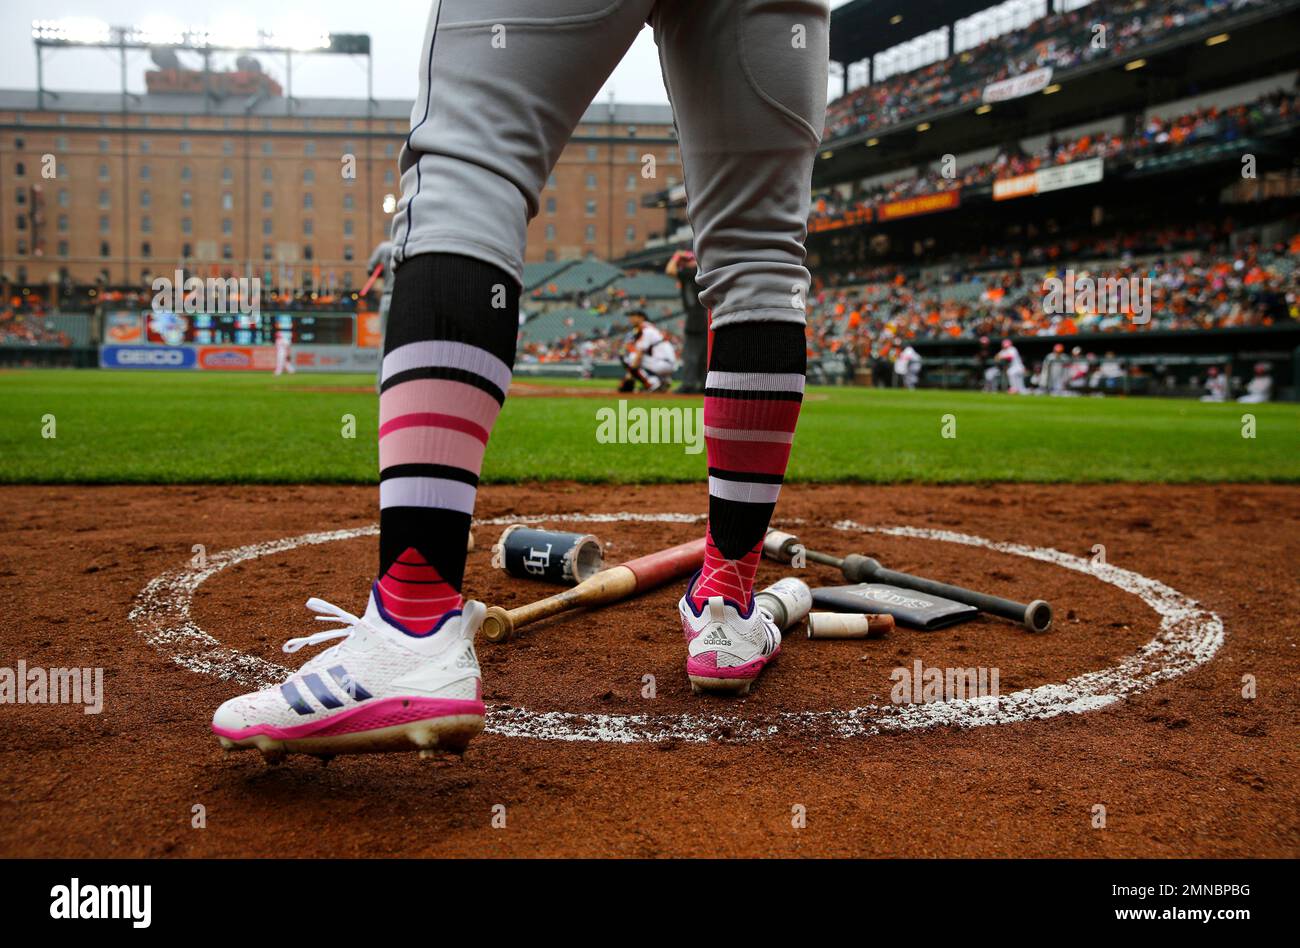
(1189, 636)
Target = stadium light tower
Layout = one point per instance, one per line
(155, 33)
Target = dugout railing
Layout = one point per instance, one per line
(1168, 362)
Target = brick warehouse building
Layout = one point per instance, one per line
(256, 186)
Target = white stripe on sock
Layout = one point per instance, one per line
(743, 434)
(441, 353)
(756, 381)
(433, 492)
(745, 492)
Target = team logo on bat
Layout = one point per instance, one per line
(537, 561)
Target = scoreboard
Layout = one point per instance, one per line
(249, 329)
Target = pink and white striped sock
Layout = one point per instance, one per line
(448, 352)
(752, 398)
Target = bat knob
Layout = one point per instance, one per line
(497, 625)
(1038, 616)
(858, 568)
(779, 546)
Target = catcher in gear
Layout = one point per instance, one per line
(651, 360)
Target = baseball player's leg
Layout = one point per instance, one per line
(747, 79)
(500, 93)
(659, 372)
(503, 84)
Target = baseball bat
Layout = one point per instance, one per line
(373, 277)
(1035, 616)
(609, 585)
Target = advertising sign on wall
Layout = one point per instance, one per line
(335, 359)
(146, 357)
(1035, 80)
(1054, 178)
(123, 327)
(925, 204)
(236, 358)
(369, 334)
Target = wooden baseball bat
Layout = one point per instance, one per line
(609, 585)
(1035, 616)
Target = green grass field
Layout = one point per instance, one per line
(187, 427)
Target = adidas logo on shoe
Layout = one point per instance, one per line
(716, 635)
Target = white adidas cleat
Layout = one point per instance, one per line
(377, 690)
(727, 650)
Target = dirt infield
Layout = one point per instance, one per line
(1185, 767)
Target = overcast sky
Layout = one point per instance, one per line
(395, 26)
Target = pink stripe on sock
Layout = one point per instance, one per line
(747, 414)
(419, 395)
(431, 446)
(755, 457)
(433, 419)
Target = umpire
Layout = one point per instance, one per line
(695, 345)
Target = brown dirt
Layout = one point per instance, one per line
(1186, 768)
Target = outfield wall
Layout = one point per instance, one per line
(304, 358)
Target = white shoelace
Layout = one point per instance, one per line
(330, 613)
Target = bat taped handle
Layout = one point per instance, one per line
(1035, 616)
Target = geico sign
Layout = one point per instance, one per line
(150, 357)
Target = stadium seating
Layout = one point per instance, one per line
(1062, 41)
(1156, 141)
(582, 277)
(650, 286)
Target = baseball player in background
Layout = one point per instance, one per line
(503, 84)
(907, 367)
(652, 359)
(1015, 367)
(1216, 386)
(284, 352)
(987, 368)
(1260, 388)
(1055, 363)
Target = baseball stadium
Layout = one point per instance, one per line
(963, 404)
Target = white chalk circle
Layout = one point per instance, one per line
(1189, 637)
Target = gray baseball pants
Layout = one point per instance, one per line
(503, 84)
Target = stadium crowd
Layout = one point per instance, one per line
(22, 324)
(1155, 135)
(1188, 290)
(1060, 41)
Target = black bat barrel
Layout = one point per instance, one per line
(1035, 616)
(548, 555)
